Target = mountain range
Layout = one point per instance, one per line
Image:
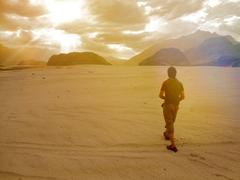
(214, 49)
(166, 56)
(182, 43)
(199, 48)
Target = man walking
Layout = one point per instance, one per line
(172, 92)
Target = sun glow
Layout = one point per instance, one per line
(59, 39)
(65, 11)
(122, 50)
(155, 24)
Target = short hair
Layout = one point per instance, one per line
(172, 72)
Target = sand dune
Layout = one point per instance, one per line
(105, 122)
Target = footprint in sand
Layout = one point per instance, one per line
(223, 176)
(199, 159)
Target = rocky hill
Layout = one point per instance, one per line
(76, 58)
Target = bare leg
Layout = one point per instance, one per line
(172, 140)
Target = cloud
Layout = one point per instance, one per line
(172, 9)
(233, 28)
(21, 8)
(119, 37)
(89, 44)
(83, 27)
(11, 22)
(223, 18)
(23, 37)
(20, 37)
(117, 11)
(21, 14)
(109, 19)
(224, 9)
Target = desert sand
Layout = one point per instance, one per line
(105, 122)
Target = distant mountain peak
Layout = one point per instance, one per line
(217, 41)
(166, 56)
(183, 43)
(199, 31)
(168, 50)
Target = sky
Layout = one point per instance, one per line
(117, 28)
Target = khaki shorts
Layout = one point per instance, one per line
(170, 113)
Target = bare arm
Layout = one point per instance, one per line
(162, 95)
(182, 96)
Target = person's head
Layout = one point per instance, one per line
(172, 72)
